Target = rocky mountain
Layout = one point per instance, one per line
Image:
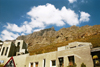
(49, 36)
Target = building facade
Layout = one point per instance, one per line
(75, 52)
(1, 43)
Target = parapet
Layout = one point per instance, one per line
(75, 45)
(61, 48)
(79, 44)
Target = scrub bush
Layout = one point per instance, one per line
(83, 65)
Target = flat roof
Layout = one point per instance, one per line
(95, 49)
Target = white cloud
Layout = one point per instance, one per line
(72, 1)
(43, 16)
(48, 14)
(22, 34)
(84, 17)
(69, 16)
(14, 27)
(37, 30)
(6, 35)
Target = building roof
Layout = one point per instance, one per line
(95, 49)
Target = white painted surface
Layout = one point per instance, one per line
(29, 64)
(34, 65)
(61, 48)
(1, 43)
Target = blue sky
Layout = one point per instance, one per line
(22, 17)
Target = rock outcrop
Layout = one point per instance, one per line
(50, 36)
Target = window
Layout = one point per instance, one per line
(61, 61)
(73, 47)
(44, 63)
(18, 47)
(53, 63)
(31, 64)
(3, 50)
(18, 44)
(71, 60)
(0, 47)
(80, 45)
(18, 54)
(6, 51)
(36, 64)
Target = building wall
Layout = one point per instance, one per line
(40, 57)
(81, 54)
(20, 61)
(12, 50)
(21, 44)
(1, 43)
(3, 59)
(6, 44)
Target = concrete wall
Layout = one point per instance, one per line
(79, 43)
(21, 44)
(1, 43)
(20, 61)
(12, 51)
(82, 54)
(6, 44)
(61, 48)
(3, 59)
(40, 57)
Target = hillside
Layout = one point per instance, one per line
(95, 40)
(48, 39)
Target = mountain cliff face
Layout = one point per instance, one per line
(50, 36)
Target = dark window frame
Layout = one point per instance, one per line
(6, 51)
(3, 51)
(53, 62)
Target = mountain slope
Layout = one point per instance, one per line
(94, 39)
(48, 37)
